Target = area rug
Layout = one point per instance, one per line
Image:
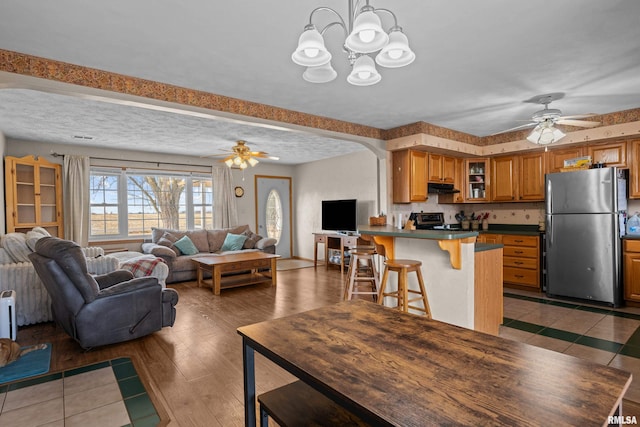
(34, 363)
(293, 264)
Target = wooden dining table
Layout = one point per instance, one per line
(393, 368)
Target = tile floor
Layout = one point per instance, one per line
(600, 334)
(100, 395)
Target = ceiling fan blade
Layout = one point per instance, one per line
(579, 116)
(578, 123)
(528, 125)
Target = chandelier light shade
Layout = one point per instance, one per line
(364, 72)
(311, 51)
(545, 133)
(397, 52)
(320, 74)
(364, 34)
(367, 35)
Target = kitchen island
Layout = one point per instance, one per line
(463, 280)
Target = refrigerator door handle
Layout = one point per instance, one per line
(549, 232)
(549, 197)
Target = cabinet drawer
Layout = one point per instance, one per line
(529, 263)
(631, 245)
(521, 276)
(321, 238)
(509, 239)
(521, 252)
(351, 241)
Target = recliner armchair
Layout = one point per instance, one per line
(100, 310)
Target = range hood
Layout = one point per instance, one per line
(438, 188)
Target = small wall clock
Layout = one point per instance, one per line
(239, 191)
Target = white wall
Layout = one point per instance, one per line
(352, 176)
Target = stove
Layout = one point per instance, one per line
(431, 221)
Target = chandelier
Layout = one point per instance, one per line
(363, 35)
(545, 133)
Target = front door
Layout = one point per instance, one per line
(273, 211)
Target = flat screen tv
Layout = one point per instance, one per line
(339, 215)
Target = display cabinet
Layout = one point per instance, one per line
(477, 177)
(33, 195)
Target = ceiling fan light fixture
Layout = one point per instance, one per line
(545, 133)
(320, 74)
(397, 52)
(311, 51)
(252, 161)
(229, 162)
(367, 35)
(364, 72)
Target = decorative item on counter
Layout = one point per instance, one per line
(485, 221)
(542, 226)
(378, 220)
(409, 225)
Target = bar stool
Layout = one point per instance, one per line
(362, 268)
(403, 267)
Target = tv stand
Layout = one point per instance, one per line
(333, 242)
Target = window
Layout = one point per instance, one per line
(273, 214)
(127, 203)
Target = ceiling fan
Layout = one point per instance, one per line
(241, 156)
(544, 120)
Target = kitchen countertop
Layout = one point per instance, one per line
(631, 237)
(390, 231)
(481, 247)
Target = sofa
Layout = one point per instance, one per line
(179, 247)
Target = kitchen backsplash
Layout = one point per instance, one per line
(499, 213)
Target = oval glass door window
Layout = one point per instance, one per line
(273, 214)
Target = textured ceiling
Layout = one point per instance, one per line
(477, 61)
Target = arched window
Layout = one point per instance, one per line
(273, 214)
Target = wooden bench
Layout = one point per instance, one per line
(297, 404)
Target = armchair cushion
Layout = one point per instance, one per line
(110, 279)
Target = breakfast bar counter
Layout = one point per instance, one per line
(464, 285)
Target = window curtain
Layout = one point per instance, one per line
(225, 211)
(76, 199)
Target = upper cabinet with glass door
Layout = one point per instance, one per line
(477, 175)
(33, 194)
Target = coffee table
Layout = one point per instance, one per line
(261, 268)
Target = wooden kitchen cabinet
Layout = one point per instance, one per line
(634, 169)
(556, 158)
(531, 169)
(631, 269)
(611, 154)
(33, 195)
(477, 180)
(504, 173)
(458, 184)
(441, 168)
(489, 238)
(409, 176)
(521, 260)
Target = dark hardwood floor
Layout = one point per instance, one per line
(194, 369)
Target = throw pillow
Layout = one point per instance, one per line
(16, 246)
(41, 230)
(186, 246)
(252, 239)
(233, 242)
(169, 244)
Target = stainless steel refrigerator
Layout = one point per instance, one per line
(583, 234)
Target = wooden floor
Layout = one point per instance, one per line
(194, 370)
